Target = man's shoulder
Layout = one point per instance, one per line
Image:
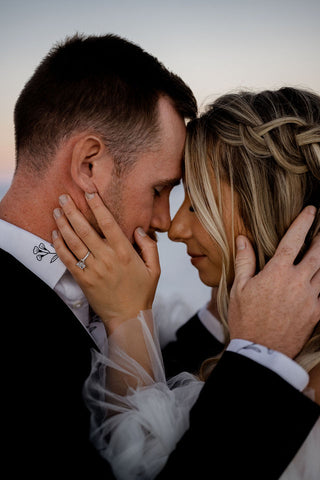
(36, 309)
(18, 279)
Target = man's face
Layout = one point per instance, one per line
(140, 198)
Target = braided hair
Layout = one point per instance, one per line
(266, 146)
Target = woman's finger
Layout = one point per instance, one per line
(62, 251)
(85, 232)
(148, 251)
(78, 248)
(108, 225)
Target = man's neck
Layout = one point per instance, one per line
(29, 206)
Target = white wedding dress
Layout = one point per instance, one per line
(137, 417)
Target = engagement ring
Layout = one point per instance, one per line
(81, 263)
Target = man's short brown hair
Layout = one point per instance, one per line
(101, 83)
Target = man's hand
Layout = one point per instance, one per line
(280, 306)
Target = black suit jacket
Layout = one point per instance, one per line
(45, 359)
(192, 346)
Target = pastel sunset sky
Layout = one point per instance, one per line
(216, 46)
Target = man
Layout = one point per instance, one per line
(99, 114)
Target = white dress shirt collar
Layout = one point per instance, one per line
(212, 324)
(41, 259)
(35, 253)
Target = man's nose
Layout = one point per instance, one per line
(161, 219)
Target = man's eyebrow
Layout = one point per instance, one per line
(169, 182)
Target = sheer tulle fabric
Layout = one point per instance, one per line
(137, 417)
(306, 464)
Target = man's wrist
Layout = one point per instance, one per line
(276, 361)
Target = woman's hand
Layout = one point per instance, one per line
(117, 282)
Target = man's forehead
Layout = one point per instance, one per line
(159, 168)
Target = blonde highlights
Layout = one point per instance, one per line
(266, 147)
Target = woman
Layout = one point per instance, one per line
(252, 163)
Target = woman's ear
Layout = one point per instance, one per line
(88, 151)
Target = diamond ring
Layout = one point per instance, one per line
(81, 263)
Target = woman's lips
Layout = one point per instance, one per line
(196, 258)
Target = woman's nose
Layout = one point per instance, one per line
(179, 230)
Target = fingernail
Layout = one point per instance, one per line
(241, 244)
(63, 199)
(57, 213)
(141, 232)
(89, 196)
(311, 209)
(54, 235)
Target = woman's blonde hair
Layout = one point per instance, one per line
(266, 146)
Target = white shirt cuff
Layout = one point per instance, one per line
(279, 363)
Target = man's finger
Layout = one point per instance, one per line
(310, 263)
(293, 240)
(245, 262)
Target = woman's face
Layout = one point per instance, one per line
(205, 253)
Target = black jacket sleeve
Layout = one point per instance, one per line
(193, 345)
(247, 423)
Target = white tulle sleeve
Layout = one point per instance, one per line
(306, 463)
(137, 417)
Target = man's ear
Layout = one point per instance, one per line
(87, 154)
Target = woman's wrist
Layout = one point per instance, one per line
(113, 322)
